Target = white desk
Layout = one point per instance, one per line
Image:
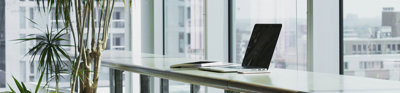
(278, 81)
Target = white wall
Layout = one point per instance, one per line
(216, 33)
(158, 27)
(147, 26)
(172, 28)
(323, 38)
(12, 48)
(216, 30)
(136, 40)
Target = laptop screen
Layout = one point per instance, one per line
(261, 45)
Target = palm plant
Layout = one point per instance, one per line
(88, 52)
(22, 88)
(49, 54)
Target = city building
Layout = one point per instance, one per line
(26, 10)
(377, 56)
(389, 18)
(188, 29)
(323, 46)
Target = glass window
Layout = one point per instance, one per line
(17, 26)
(32, 68)
(31, 16)
(364, 47)
(23, 49)
(108, 45)
(290, 51)
(361, 65)
(188, 13)
(379, 47)
(180, 29)
(118, 18)
(184, 33)
(22, 19)
(60, 24)
(373, 47)
(118, 41)
(393, 47)
(118, 13)
(32, 78)
(181, 18)
(372, 22)
(398, 47)
(53, 15)
(22, 72)
(181, 42)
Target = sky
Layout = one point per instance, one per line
(270, 8)
(361, 8)
(368, 8)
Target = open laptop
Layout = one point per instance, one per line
(259, 51)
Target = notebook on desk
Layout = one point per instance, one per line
(259, 51)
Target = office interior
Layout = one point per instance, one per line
(343, 39)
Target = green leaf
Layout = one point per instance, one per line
(39, 82)
(43, 5)
(12, 90)
(17, 83)
(63, 53)
(42, 57)
(24, 87)
(32, 21)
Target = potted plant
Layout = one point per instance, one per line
(49, 55)
(79, 20)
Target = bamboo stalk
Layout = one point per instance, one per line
(94, 53)
(93, 26)
(80, 38)
(85, 56)
(101, 17)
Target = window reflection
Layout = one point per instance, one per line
(184, 33)
(290, 51)
(14, 24)
(184, 28)
(371, 38)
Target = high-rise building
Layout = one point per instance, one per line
(391, 18)
(184, 28)
(378, 55)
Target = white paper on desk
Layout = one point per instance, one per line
(225, 69)
(200, 64)
(253, 72)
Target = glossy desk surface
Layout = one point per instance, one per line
(279, 80)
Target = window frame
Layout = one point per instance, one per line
(311, 17)
(341, 47)
(231, 23)
(230, 30)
